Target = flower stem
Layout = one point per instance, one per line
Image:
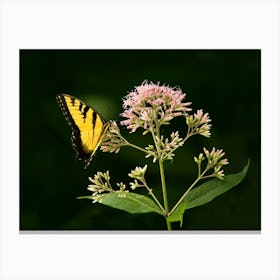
(150, 191)
(132, 145)
(164, 193)
(187, 191)
(136, 147)
(161, 169)
(183, 196)
(168, 225)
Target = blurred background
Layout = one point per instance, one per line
(224, 83)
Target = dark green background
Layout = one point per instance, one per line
(225, 83)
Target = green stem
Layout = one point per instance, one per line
(156, 200)
(163, 185)
(162, 176)
(132, 145)
(164, 193)
(183, 196)
(186, 192)
(136, 147)
(168, 224)
(150, 191)
(165, 210)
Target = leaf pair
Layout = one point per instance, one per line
(206, 192)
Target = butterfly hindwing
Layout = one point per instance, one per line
(88, 129)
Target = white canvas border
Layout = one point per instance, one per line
(139, 24)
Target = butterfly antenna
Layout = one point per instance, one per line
(87, 165)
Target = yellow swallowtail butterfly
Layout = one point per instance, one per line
(88, 128)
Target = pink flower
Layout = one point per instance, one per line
(151, 105)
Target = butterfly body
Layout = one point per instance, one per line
(88, 128)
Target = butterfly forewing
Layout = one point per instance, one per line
(87, 126)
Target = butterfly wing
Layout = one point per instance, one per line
(88, 129)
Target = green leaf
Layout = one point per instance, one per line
(130, 202)
(206, 193)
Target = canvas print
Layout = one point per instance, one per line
(159, 140)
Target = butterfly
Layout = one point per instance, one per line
(88, 128)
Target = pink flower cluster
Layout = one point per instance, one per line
(151, 105)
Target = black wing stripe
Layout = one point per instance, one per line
(73, 99)
(85, 112)
(81, 106)
(93, 122)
